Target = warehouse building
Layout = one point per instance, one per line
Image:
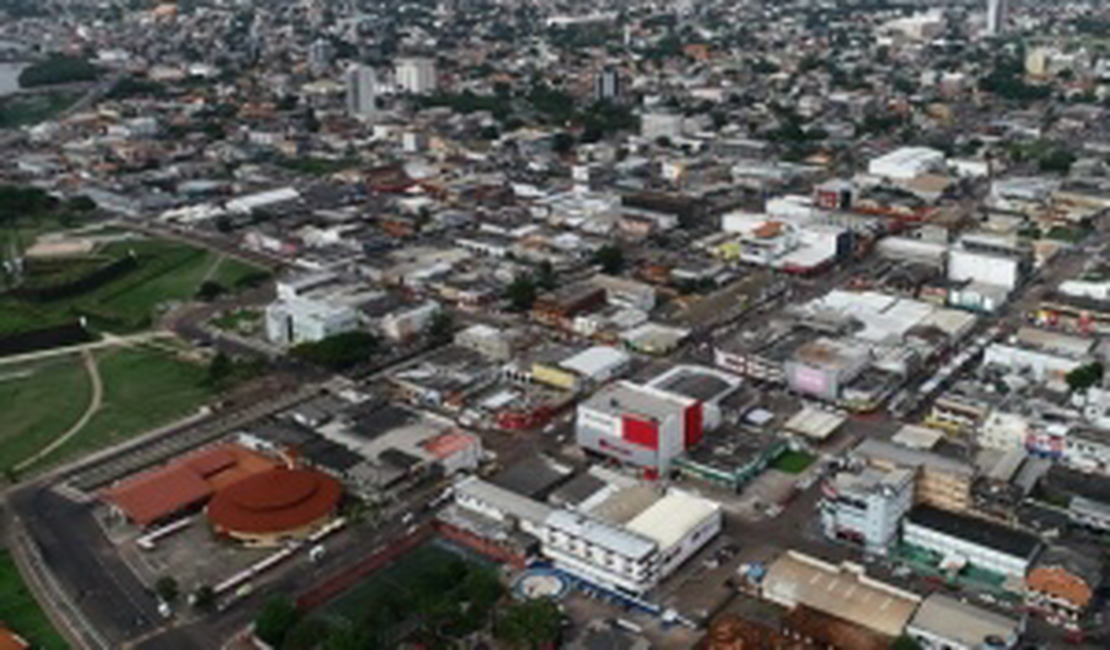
(961, 539)
(945, 623)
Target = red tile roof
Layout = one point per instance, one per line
(274, 502)
(10, 640)
(185, 482)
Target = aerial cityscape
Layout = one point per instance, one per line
(367, 324)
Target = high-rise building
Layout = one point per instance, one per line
(416, 75)
(361, 90)
(607, 85)
(320, 53)
(997, 11)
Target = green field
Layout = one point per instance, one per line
(143, 388)
(167, 272)
(793, 462)
(39, 402)
(20, 612)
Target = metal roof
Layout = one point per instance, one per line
(617, 540)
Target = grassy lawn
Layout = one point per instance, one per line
(144, 388)
(20, 611)
(167, 272)
(793, 462)
(39, 403)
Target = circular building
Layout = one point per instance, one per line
(275, 506)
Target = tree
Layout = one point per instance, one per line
(339, 352)
(307, 634)
(1086, 376)
(545, 276)
(562, 143)
(274, 622)
(204, 600)
(166, 588)
(531, 624)
(220, 369)
(441, 327)
(209, 290)
(905, 642)
(522, 293)
(611, 259)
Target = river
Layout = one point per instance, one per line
(9, 77)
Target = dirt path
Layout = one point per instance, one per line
(94, 406)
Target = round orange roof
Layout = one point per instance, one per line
(275, 501)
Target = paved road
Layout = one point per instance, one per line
(94, 406)
(85, 563)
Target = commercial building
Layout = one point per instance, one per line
(274, 507)
(906, 163)
(978, 542)
(304, 320)
(648, 426)
(997, 15)
(497, 344)
(866, 506)
(939, 481)
(845, 592)
(406, 323)
(608, 85)
(416, 75)
(945, 623)
(731, 457)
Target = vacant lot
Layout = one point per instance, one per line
(39, 402)
(20, 612)
(167, 272)
(144, 388)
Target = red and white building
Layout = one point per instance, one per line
(649, 425)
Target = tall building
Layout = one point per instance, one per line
(866, 506)
(607, 85)
(416, 75)
(361, 90)
(997, 11)
(320, 53)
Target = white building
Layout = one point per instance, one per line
(997, 14)
(416, 75)
(305, 320)
(866, 507)
(635, 557)
(907, 163)
(945, 623)
(405, 324)
(362, 93)
(960, 539)
(661, 125)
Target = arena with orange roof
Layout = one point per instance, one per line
(275, 506)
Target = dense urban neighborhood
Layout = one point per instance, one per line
(363, 324)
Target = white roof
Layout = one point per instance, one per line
(504, 500)
(596, 361)
(815, 423)
(669, 520)
(598, 533)
(917, 437)
(261, 199)
(961, 622)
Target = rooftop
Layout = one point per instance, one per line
(673, 517)
(962, 622)
(977, 531)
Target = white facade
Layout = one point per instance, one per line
(964, 547)
(410, 322)
(1004, 431)
(661, 125)
(1042, 367)
(997, 11)
(302, 320)
(416, 75)
(867, 507)
(361, 90)
(983, 268)
(907, 163)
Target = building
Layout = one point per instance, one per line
(845, 592)
(1061, 587)
(183, 485)
(320, 54)
(635, 557)
(997, 15)
(499, 345)
(906, 163)
(648, 426)
(362, 84)
(945, 623)
(403, 325)
(731, 457)
(866, 506)
(271, 508)
(981, 543)
(416, 75)
(661, 125)
(940, 481)
(608, 86)
(304, 320)
(9, 640)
